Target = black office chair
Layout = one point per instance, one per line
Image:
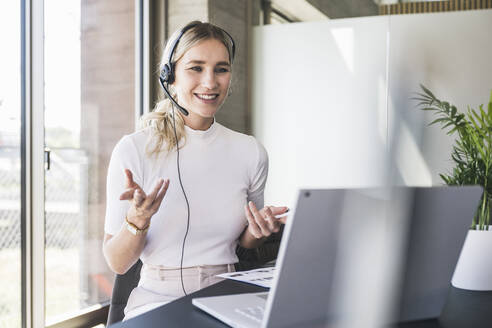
(248, 259)
(123, 286)
(254, 258)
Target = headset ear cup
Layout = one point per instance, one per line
(167, 74)
(171, 73)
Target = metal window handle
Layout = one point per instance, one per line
(47, 158)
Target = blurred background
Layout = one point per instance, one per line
(325, 85)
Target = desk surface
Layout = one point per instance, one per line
(181, 313)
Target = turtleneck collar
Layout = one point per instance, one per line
(202, 134)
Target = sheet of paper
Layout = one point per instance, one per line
(262, 277)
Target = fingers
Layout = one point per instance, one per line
(260, 221)
(272, 222)
(276, 210)
(151, 197)
(282, 220)
(127, 194)
(138, 197)
(279, 210)
(145, 206)
(129, 179)
(160, 196)
(263, 223)
(252, 225)
(146, 200)
(131, 186)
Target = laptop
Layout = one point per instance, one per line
(319, 275)
(305, 268)
(399, 269)
(440, 219)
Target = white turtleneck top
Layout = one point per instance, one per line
(220, 169)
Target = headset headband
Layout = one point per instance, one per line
(186, 28)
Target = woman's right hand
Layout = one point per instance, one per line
(143, 206)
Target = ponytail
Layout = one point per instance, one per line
(160, 122)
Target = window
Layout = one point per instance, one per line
(89, 106)
(10, 164)
(66, 91)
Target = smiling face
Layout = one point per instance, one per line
(203, 75)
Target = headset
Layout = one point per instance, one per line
(167, 77)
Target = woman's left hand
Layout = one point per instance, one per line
(262, 223)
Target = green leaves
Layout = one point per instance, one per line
(427, 91)
(490, 103)
(472, 151)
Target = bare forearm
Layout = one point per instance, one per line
(247, 240)
(123, 250)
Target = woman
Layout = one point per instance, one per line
(208, 192)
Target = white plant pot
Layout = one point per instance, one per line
(474, 268)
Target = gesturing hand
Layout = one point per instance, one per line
(261, 223)
(143, 206)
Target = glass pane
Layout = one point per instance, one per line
(64, 199)
(10, 165)
(89, 105)
(320, 10)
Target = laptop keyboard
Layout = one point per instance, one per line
(253, 312)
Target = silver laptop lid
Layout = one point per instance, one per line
(300, 295)
(398, 267)
(306, 259)
(348, 256)
(440, 219)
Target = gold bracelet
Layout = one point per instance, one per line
(134, 229)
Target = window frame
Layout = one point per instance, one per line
(33, 161)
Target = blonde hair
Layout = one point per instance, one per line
(160, 119)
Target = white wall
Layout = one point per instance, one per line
(330, 97)
(451, 54)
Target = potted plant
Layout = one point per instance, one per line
(470, 298)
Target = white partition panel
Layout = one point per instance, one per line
(450, 53)
(319, 104)
(328, 97)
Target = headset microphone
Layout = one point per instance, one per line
(167, 72)
(168, 94)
